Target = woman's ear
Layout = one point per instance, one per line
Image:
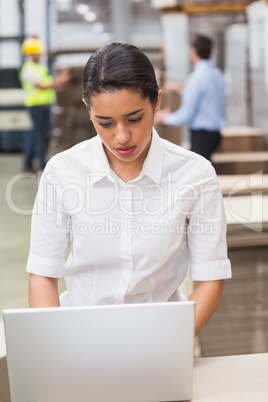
(87, 106)
(85, 103)
(158, 102)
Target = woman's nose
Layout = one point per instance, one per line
(122, 134)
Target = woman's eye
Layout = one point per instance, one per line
(135, 120)
(109, 124)
(105, 124)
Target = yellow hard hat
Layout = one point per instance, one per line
(32, 46)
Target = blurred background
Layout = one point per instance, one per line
(71, 30)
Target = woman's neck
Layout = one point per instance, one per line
(126, 171)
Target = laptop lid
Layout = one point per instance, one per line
(116, 353)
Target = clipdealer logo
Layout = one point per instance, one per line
(75, 198)
(132, 226)
(244, 204)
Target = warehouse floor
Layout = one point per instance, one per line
(15, 230)
(17, 193)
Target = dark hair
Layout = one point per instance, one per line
(203, 46)
(119, 66)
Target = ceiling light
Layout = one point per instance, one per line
(82, 8)
(90, 16)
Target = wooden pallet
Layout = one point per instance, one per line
(240, 324)
(243, 184)
(240, 163)
(241, 139)
(240, 236)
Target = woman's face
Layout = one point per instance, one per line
(124, 120)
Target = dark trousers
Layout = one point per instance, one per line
(204, 142)
(36, 146)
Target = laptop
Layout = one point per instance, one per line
(116, 353)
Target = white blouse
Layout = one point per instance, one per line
(130, 242)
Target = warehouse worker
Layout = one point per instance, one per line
(39, 94)
(202, 105)
(136, 208)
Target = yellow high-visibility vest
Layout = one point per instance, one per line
(33, 95)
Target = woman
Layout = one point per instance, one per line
(136, 208)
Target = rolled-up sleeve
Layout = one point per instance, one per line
(49, 229)
(207, 231)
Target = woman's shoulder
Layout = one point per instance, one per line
(77, 151)
(80, 155)
(180, 151)
(180, 159)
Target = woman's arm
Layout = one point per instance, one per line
(43, 291)
(207, 296)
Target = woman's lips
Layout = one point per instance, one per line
(125, 150)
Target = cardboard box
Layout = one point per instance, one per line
(4, 383)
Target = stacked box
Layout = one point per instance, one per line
(177, 66)
(239, 325)
(15, 121)
(71, 120)
(236, 37)
(170, 133)
(240, 162)
(258, 57)
(241, 139)
(173, 3)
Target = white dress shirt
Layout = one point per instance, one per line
(130, 242)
